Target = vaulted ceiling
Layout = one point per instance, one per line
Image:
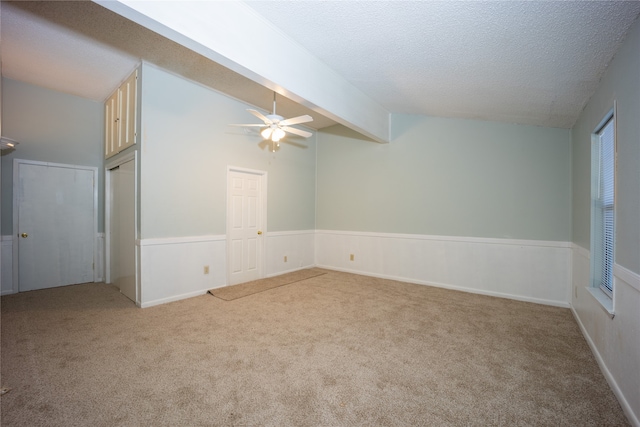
(348, 62)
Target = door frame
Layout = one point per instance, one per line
(16, 181)
(111, 164)
(263, 218)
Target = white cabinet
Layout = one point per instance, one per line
(111, 125)
(120, 117)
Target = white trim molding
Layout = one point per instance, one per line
(484, 240)
(629, 277)
(527, 270)
(181, 240)
(581, 251)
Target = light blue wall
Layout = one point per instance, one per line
(187, 144)
(615, 340)
(621, 83)
(438, 176)
(448, 177)
(50, 127)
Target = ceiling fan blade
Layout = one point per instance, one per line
(295, 131)
(249, 125)
(296, 120)
(261, 116)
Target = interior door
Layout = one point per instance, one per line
(245, 217)
(122, 229)
(56, 225)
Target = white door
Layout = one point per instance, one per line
(245, 216)
(56, 224)
(122, 234)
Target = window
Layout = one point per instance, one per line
(603, 205)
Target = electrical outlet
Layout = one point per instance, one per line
(285, 258)
(351, 257)
(206, 269)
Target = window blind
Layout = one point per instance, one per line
(606, 203)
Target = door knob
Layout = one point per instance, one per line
(259, 232)
(24, 235)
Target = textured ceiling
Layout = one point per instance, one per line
(529, 62)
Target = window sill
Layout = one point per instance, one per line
(603, 299)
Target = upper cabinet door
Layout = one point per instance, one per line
(111, 125)
(121, 117)
(128, 107)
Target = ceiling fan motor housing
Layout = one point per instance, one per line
(274, 118)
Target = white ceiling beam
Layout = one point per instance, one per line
(235, 36)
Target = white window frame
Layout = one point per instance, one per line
(603, 210)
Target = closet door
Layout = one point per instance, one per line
(56, 224)
(122, 236)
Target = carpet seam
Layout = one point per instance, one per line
(265, 290)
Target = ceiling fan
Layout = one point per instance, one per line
(276, 127)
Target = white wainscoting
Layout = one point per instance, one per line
(173, 269)
(6, 251)
(527, 270)
(297, 246)
(615, 342)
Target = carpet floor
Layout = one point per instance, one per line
(333, 350)
(229, 293)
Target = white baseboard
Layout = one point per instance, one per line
(454, 288)
(526, 270)
(279, 273)
(172, 298)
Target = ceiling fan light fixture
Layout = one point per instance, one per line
(277, 135)
(266, 133)
(276, 127)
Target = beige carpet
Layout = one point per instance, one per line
(333, 350)
(229, 293)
